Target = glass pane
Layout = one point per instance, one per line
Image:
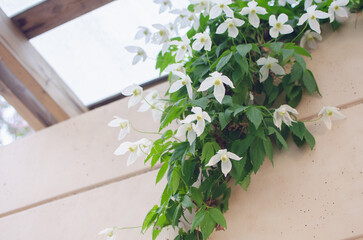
(13, 7)
(89, 52)
(12, 125)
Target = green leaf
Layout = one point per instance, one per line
(176, 216)
(309, 139)
(246, 182)
(267, 144)
(197, 220)
(240, 146)
(175, 180)
(156, 232)
(207, 225)
(201, 102)
(309, 82)
(224, 118)
(163, 61)
(296, 73)
(276, 47)
(257, 154)
(172, 112)
(256, 49)
(298, 129)
(223, 61)
(187, 202)
(150, 218)
(242, 62)
(180, 152)
(197, 196)
(218, 217)
(243, 49)
(209, 149)
(286, 55)
(300, 61)
(254, 115)
(238, 110)
(279, 137)
(162, 172)
(297, 49)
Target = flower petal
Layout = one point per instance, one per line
(214, 160)
(233, 156)
(222, 28)
(206, 84)
(191, 137)
(176, 86)
(282, 18)
(219, 92)
(254, 20)
(226, 167)
(277, 69)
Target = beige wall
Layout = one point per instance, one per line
(65, 183)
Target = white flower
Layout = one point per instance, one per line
(157, 110)
(135, 91)
(309, 38)
(224, 156)
(145, 145)
(312, 15)
(216, 79)
(160, 36)
(283, 2)
(164, 4)
(183, 81)
(329, 112)
(187, 128)
(201, 5)
(202, 40)
(184, 46)
(182, 18)
(278, 26)
(231, 24)
(140, 53)
(337, 7)
(252, 10)
(282, 115)
(179, 67)
(143, 32)
(123, 124)
(269, 63)
(133, 148)
(109, 232)
(172, 28)
(308, 3)
(165, 47)
(221, 5)
(149, 100)
(200, 116)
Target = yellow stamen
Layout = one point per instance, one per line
(136, 92)
(199, 117)
(123, 125)
(224, 157)
(282, 113)
(269, 65)
(189, 128)
(330, 113)
(202, 39)
(230, 25)
(133, 148)
(278, 25)
(253, 11)
(217, 82)
(313, 17)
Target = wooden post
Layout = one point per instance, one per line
(52, 13)
(35, 74)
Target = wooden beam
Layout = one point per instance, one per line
(28, 66)
(52, 13)
(17, 95)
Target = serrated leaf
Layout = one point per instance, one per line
(201, 102)
(279, 137)
(224, 118)
(197, 220)
(223, 61)
(238, 110)
(162, 172)
(254, 115)
(207, 225)
(267, 144)
(298, 129)
(240, 146)
(300, 61)
(309, 81)
(246, 182)
(257, 154)
(243, 49)
(286, 55)
(242, 62)
(276, 47)
(309, 139)
(187, 202)
(150, 218)
(209, 149)
(197, 196)
(175, 180)
(218, 217)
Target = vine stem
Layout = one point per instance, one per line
(208, 59)
(293, 40)
(155, 133)
(313, 120)
(124, 228)
(152, 106)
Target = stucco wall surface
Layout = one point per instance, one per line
(65, 183)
